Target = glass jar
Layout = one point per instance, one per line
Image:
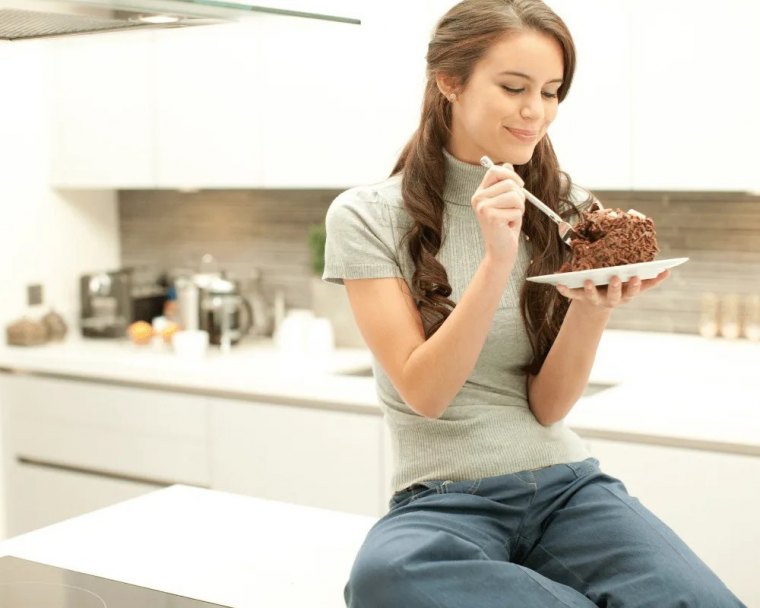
(730, 320)
(709, 316)
(751, 318)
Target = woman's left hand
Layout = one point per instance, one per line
(614, 294)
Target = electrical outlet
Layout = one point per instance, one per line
(33, 294)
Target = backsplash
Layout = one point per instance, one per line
(268, 230)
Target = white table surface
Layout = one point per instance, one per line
(214, 546)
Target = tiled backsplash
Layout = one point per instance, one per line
(267, 229)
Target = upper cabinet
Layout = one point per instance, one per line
(210, 107)
(662, 99)
(102, 111)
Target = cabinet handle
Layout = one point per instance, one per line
(159, 483)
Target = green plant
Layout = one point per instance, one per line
(317, 238)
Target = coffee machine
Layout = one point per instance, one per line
(112, 300)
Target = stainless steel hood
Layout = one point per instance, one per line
(25, 19)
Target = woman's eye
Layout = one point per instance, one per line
(517, 91)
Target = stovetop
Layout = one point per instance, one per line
(28, 584)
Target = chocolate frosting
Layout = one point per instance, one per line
(610, 237)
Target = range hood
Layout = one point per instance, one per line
(28, 19)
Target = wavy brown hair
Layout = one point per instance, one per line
(461, 38)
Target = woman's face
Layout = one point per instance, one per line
(495, 106)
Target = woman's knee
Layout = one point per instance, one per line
(374, 582)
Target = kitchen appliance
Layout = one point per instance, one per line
(226, 308)
(112, 300)
(24, 19)
(27, 584)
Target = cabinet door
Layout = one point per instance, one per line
(304, 455)
(320, 124)
(146, 435)
(592, 131)
(39, 496)
(209, 94)
(102, 114)
(695, 95)
(710, 499)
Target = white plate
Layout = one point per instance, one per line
(602, 276)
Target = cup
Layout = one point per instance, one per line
(190, 344)
(321, 337)
(709, 315)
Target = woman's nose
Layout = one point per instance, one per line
(533, 106)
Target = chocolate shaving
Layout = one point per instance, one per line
(611, 237)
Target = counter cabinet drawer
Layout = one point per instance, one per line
(148, 435)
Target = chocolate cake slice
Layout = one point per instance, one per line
(610, 237)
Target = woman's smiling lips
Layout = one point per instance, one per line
(526, 136)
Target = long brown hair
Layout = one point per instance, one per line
(462, 36)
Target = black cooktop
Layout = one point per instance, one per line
(27, 584)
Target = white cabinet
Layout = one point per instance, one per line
(102, 111)
(305, 455)
(95, 443)
(695, 124)
(710, 499)
(42, 495)
(210, 106)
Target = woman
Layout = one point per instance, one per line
(497, 502)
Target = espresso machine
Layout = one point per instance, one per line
(112, 300)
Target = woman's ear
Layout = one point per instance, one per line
(446, 85)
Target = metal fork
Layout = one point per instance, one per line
(566, 232)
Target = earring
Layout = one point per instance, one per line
(452, 97)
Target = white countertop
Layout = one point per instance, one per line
(214, 546)
(673, 389)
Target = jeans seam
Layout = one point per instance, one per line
(539, 582)
(557, 559)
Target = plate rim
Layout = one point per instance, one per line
(682, 259)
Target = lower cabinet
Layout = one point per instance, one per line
(42, 495)
(710, 499)
(306, 455)
(71, 446)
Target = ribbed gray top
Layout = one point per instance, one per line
(488, 428)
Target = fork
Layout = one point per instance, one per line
(566, 232)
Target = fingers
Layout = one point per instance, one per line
(498, 173)
(614, 293)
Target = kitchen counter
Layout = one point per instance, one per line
(252, 370)
(214, 546)
(670, 389)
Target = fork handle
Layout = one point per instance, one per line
(543, 207)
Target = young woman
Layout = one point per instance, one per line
(497, 503)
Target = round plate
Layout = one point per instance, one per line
(602, 276)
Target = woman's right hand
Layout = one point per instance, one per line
(499, 203)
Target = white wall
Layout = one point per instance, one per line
(45, 237)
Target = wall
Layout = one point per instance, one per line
(46, 237)
(719, 232)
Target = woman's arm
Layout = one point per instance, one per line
(566, 370)
(427, 373)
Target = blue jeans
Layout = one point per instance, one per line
(565, 535)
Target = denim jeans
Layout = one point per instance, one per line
(566, 535)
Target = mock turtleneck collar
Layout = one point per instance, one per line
(462, 179)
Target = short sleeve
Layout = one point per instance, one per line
(360, 238)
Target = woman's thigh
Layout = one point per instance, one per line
(607, 545)
(448, 550)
